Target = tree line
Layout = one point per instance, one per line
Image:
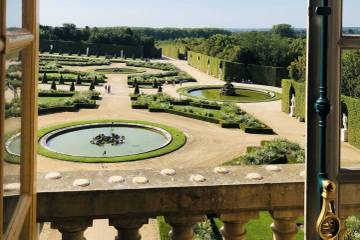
(123, 35)
(278, 47)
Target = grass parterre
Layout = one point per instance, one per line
(228, 115)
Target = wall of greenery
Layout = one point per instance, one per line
(289, 85)
(353, 111)
(264, 75)
(94, 48)
(172, 50)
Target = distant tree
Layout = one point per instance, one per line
(297, 69)
(350, 70)
(72, 87)
(53, 85)
(283, 30)
(95, 80)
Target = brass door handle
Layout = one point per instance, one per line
(328, 224)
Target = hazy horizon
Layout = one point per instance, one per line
(235, 14)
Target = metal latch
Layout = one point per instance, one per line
(328, 224)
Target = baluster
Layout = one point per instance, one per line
(234, 224)
(182, 226)
(284, 226)
(72, 229)
(128, 228)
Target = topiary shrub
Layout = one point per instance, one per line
(92, 86)
(155, 84)
(44, 79)
(78, 80)
(72, 87)
(61, 80)
(53, 85)
(136, 89)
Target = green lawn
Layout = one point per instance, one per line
(257, 229)
(53, 101)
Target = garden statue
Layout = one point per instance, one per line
(292, 106)
(87, 51)
(345, 121)
(228, 89)
(113, 139)
(122, 54)
(344, 130)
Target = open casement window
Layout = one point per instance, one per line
(18, 91)
(326, 152)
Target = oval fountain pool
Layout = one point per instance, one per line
(81, 140)
(213, 93)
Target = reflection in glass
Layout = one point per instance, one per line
(350, 109)
(351, 17)
(12, 128)
(13, 14)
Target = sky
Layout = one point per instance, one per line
(176, 13)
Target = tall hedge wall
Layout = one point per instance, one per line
(223, 69)
(265, 75)
(175, 51)
(353, 108)
(94, 49)
(299, 88)
(352, 105)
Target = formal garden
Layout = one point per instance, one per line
(214, 89)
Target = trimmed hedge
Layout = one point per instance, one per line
(227, 115)
(353, 108)
(299, 88)
(176, 51)
(194, 116)
(94, 48)
(264, 75)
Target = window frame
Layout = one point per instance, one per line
(23, 222)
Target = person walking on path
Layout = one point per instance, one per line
(109, 89)
(106, 88)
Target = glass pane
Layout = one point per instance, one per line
(350, 107)
(12, 133)
(14, 14)
(350, 23)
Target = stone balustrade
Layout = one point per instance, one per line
(72, 200)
